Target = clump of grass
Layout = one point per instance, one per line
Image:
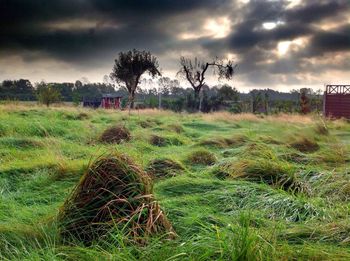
(79, 116)
(113, 193)
(21, 143)
(164, 167)
(269, 140)
(224, 142)
(335, 232)
(321, 128)
(259, 150)
(276, 173)
(334, 154)
(145, 124)
(115, 134)
(176, 128)
(201, 157)
(295, 157)
(162, 141)
(304, 144)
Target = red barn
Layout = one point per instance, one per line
(336, 101)
(110, 101)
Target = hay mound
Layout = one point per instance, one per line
(164, 168)
(201, 157)
(304, 144)
(113, 193)
(115, 134)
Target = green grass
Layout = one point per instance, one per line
(263, 189)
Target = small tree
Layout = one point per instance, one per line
(304, 101)
(194, 71)
(128, 68)
(47, 94)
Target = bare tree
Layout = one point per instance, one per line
(194, 71)
(128, 68)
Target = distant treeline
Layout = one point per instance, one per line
(170, 95)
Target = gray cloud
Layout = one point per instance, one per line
(89, 33)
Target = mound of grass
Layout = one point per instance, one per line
(335, 232)
(224, 142)
(304, 144)
(113, 193)
(201, 157)
(333, 154)
(115, 134)
(259, 150)
(176, 128)
(295, 157)
(145, 124)
(161, 141)
(79, 116)
(276, 173)
(321, 128)
(164, 167)
(20, 143)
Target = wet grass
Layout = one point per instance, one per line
(234, 187)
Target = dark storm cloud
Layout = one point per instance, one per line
(89, 33)
(316, 10)
(25, 25)
(256, 46)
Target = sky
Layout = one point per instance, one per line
(277, 44)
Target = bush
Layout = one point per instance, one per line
(113, 193)
(201, 157)
(115, 134)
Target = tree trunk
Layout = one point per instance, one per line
(197, 98)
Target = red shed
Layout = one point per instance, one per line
(336, 101)
(110, 101)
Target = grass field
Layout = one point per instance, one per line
(245, 187)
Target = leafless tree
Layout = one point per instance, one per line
(194, 71)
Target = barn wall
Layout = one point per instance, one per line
(337, 105)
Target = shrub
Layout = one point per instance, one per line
(113, 193)
(201, 157)
(164, 168)
(115, 134)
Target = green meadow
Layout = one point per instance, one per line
(233, 186)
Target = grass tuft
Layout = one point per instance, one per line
(115, 134)
(113, 193)
(164, 167)
(201, 157)
(304, 144)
